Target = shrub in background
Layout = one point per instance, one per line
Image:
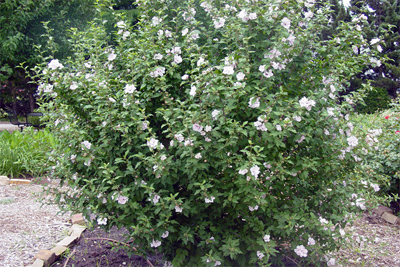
(382, 136)
(375, 100)
(211, 131)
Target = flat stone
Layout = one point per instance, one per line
(58, 250)
(390, 218)
(76, 230)
(47, 256)
(4, 180)
(68, 241)
(38, 263)
(77, 219)
(19, 181)
(381, 209)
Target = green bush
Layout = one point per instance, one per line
(25, 153)
(382, 153)
(375, 100)
(211, 131)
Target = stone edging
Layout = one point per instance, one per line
(46, 258)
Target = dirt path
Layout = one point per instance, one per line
(25, 226)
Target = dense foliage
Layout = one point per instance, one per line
(212, 130)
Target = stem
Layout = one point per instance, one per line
(69, 256)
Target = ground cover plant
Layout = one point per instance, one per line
(211, 130)
(25, 153)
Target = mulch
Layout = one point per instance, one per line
(94, 248)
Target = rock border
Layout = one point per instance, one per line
(45, 258)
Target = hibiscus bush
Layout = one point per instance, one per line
(211, 130)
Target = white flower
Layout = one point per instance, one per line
(306, 103)
(240, 76)
(252, 16)
(185, 31)
(330, 111)
(323, 221)
(261, 68)
(200, 62)
(121, 24)
(311, 241)
(156, 198)
(285, 22)
(130, 88)
(243, 172)
(255, 171)
(253, 208)
(302, 138)
(308, 15)
(352, 141)
(374, 41)
(192, 90)
(111, 100)
(159, 71)
(177, 59)
(297, 118)
(155, 243)
(155, 21)
(176, 50)
(215, 114)
(185, 77)
(267, 238)
(243, 15)
(228, 70)
(144, 126)
(125, 35)
(278, 127)
(102, 221)
(331, 262)
(254, 102)
(158, 56)
(268, 74)
(301, 251)
(217, 263)
(122, 200)
(165, 234)
(111, 56)
(87, 144)
(168, 33)
(260, 255)
(73, 86)
(55, 64)
(73, 158)
(208, 128)
(209, 200)
(178, 209)
(375, 187)
(219, 23)
(152, 143)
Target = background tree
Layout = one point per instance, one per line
(382, 33)
(22, 30)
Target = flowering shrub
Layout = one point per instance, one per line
(211, 131)
(382, 158)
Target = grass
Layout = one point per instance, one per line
(24, 153)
